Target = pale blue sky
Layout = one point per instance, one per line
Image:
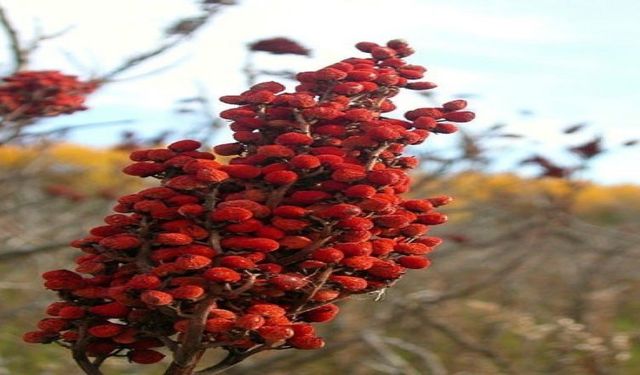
(567, 61)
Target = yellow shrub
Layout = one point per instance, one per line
(83, 168)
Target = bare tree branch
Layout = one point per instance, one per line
(399, 364)
(431, 361)
(20, 54)
(67, 128)
(504, 271)
(21, 253)
(469, 344)
(179, 36)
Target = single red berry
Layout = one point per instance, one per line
(250, 322)
(306, 342)
(414, 262)
(145, 356)
(156, 298)
(222, 274)
(322, 314)
(105, 330)
(281, 177)
(275, 333)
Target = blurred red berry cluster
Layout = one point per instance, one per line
(32, 94)
(246, 256)
(279, 46)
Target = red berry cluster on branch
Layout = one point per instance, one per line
(42, 93)
(246, 256)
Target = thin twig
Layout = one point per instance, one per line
(468, 343)
(232, 359)
(25, 252)
(292, 360)
(373, 157)
(504, 271)
(20, 54)
(277, 196)
(142, 258)
(300, 255)
(162, 48)
(318, 284)
(431, 361)
(67, 128)
(399, 364)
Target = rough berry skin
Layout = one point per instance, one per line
(307, 210)
(156, 298)
(222, 274)
(306, 342)
(275, 333)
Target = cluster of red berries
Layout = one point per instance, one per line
(247, 255)
(42, 93)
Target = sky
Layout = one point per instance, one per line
(537, 66)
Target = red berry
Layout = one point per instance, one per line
(306, 342)
(145, 356)
(105, 330)
(322, 314)
(250, 322)
(281, 177)
(222, 274)
(414, 262)
(156, 298)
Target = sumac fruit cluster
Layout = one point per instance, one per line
(246, 256)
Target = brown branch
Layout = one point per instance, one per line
(374, 341)
(527, 242)
(291, 361)
(34, 44)
(142, 258)
(210, 202)
(189, 352)
(586, 278)
(305, 126)
(232, 359)
(20, 54)
(304, 309)
(79, 352)
(68, 128)
(277, 196)
(162, 48)
(300, 255)
(319, 283)
(140, 58)
(430, 360)
(21, 253)
(504, 271)
(244, 287)
(373, 157)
